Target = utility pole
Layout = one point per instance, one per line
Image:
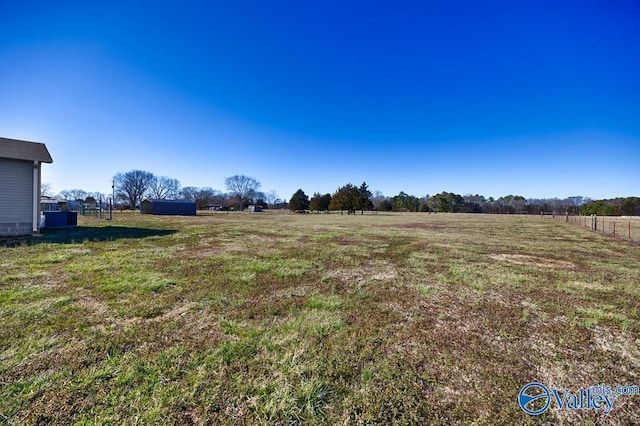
(113, 199)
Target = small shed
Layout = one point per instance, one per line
(168, 207)
(20, 179)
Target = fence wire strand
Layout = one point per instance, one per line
(623, 227)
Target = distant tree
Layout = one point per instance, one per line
(203, 197)
(377, 198)
(474, 203)
(345, 198)
(404, 202)
(630, 206)
(575, 203)
(362, 198)
(242, 188)
(434, 204)
(271, 198)
(299, 201)
(471, 207)
(600, 208)
(446, 202)
(320, 202)
(517, 204)
(351, 198)
(188, 193)
(280, 203)
(456, 202)
(258, 198)
(162, 187)
(385, 206)
(313, 201)
(46, 190)
(74, 194)
(132, 186)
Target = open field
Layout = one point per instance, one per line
(278, 318)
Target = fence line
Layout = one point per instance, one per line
(99, 210)
(623, 227)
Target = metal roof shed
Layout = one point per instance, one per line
(168, 207)
(20, 178)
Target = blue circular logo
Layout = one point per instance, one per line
(532, 397)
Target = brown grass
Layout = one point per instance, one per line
(316, 319)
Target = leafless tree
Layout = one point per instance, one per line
(271, 198)
(45, 190)
(242, 188)
(162, 187)
(74, 194)
(132, 186)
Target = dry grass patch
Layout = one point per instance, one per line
(528, 260)
(369, 271)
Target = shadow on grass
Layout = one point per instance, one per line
(96, 233)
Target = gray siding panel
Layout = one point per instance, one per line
(16, 192)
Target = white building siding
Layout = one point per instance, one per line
(16, 197)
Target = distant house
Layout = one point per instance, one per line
(48, 204)
(168, 207)
(20, 167)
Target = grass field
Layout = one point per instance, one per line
(316, 319)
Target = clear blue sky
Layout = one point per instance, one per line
(537, 98)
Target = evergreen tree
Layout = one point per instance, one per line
(299, 201)
(385, 206)
(320, 202)
(404, 202)
(343, 199)
(363, 198)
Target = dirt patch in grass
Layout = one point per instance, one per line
(528, 260)
(370, 270)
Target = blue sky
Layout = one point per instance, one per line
(537, 98)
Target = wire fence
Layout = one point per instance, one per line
(623, 227)
(98, 210)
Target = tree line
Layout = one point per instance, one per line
(351, 198)
(130, 188)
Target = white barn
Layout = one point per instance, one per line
(20, 166)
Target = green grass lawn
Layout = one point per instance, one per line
(316, 319)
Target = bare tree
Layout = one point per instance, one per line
(271, 198)
(377, 198)
(203, 197)
(576, 202)
(46, 190)
(132, 186)
(74, 194)
(188, 193)
(242, 188)
(162, 187)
